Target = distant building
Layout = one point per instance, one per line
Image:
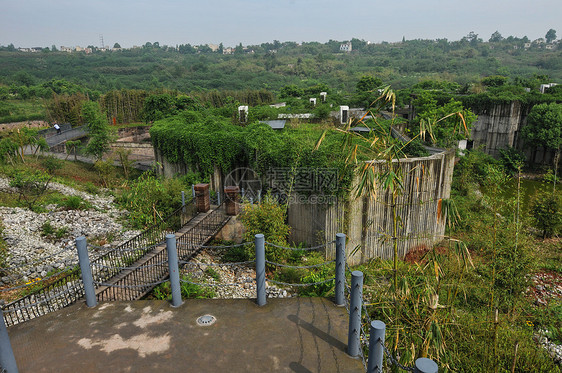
(346, 47)
(544, 87)
(65, 49)
(213, 47)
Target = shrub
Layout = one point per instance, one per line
(267, 218)
(72, 203)
(546, 212)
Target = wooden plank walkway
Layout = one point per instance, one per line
(140, 277)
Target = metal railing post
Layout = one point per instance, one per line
(376, 352)
(355, 305)
(219, 198)
(260, 269)
(86, 270)
(182, 198)
(7, 359)
(340, 269)
(193, 191)
(174, 269)
(425, 365)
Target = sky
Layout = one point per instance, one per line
(40, 23)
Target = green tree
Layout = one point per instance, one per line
(550, 36)
(494, 81)
(98, 128)
(546, 212)
(116, 46)
(496, 36)
(158, 107)
(442, 125)
(544, 129)
(368, 83)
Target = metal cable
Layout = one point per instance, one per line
(299, 267)
(226, 246)
(37, 261)
(394, 361)
(302, 285)
(130, 286)
(297, 249)
(215, 264)
(8, 310)
(209, 285)
(33, 282)
(133, 268)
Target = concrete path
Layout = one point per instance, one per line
(286, 335)
(142, 165)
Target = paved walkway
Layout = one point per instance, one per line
(286, 335)
(142, 165)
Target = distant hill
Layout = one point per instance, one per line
(274, 65)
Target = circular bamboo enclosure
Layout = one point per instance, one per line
(369, 221)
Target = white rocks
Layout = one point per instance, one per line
(35, 255)
(554, 350)
(235, 282)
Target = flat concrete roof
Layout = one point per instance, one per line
(285, 335)
(275, 124)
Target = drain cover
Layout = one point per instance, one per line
(206, 320)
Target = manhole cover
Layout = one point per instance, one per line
(206, 320)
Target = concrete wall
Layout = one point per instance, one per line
(499, 128)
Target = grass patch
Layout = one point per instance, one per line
(22, 110)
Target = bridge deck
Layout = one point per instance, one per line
(285, 335)
(133, 284)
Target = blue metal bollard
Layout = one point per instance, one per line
(425, 365)
(260, 269)
(376, 352)
(86, 270)
(355, 307)
(7, 359)
(174, 269)
(340, 269)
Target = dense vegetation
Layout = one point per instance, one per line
(274, 65)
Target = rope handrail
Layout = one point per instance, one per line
(300, 249)
(299, 267)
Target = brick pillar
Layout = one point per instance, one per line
(202, 197)
(231, 200)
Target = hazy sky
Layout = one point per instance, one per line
(29, 23)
